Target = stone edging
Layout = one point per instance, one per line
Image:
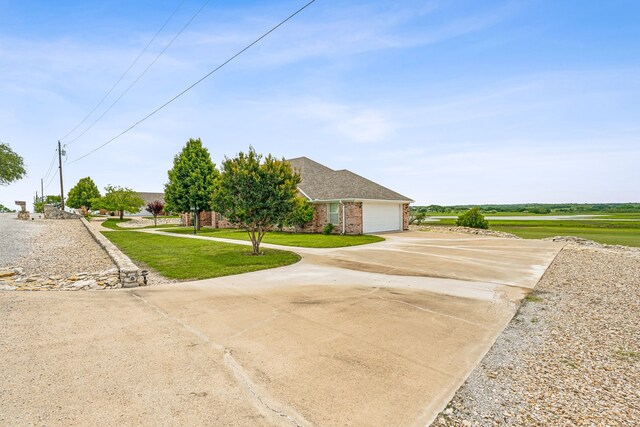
(129, 272)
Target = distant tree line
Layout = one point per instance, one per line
(533, 208)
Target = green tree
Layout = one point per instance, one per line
(83, 194)
(255, 193)
(121, 199)
(473, 219)
(301, 213)
(11, 165)
(191, 180)
(38, 203)
(4, 209)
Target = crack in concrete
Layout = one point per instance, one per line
(258, 401)
(244, 378)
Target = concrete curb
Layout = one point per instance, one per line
(129, 272)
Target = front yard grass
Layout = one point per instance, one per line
(186, 259)
(305, 240)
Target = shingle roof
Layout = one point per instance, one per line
(151, 197)
(322, 183)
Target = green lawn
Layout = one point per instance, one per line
(179, 258)
(627, 237)
(605, 231)
(112, 223)
(305, 240)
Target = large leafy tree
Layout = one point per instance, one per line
(11, 165)
(83, 194)
(191, 180)
(121, 199)
(255, 193)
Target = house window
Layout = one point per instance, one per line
(333, 213)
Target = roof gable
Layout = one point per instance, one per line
(151, 197)
(319, 182)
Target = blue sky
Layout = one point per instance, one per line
(443, 101)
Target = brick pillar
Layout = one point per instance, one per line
(405, 216)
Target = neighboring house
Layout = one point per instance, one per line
(353, 204)
(148, 198)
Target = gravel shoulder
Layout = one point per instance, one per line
(50, 247)
(13, 234)
(570, 356)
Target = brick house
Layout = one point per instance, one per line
(353, 204)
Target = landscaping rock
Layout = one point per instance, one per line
(571, 355)
(51, 255)
(467, 230)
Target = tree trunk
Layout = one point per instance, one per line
(121, 214)
(255, 242)
(198, 220)
(155, 220)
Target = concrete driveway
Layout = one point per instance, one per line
(374, 335)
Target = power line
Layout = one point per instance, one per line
(51, 180)
(135, 61)
(53, 159)
(198, 81)
(141, 74)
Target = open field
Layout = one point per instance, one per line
(614, 229)
(194, 259)
(305, 240)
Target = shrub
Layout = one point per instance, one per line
(473, 219)
(328, 229)
(300, 215)
(417, 217)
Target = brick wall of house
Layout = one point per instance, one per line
(320, 219)
(405, 216)
(206, 219)
(352, 210)
(353, 213)
(222, 222)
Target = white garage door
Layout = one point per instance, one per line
(377, 217)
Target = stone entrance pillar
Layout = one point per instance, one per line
(22, 214)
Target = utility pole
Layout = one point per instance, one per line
(41, 190)
(60, 167)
